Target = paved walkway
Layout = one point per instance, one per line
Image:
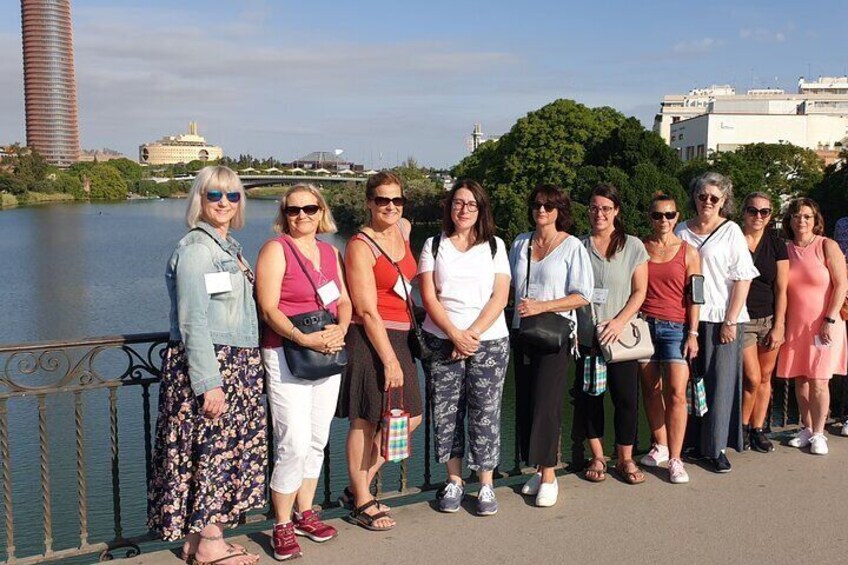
(784, 507)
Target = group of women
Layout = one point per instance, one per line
(760, 296)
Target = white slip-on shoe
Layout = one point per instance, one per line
(531, 487)
(801, 439)
(656, 456)
(547, 495)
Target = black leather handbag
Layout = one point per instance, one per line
(544, 333)
(304, 362)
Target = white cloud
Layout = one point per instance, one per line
(763, 35)
(695, 46)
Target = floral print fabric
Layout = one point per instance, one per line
(207, 471)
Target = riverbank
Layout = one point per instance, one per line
(11, 201)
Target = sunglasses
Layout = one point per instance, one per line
(383, 201)
(711, 197)
(217, 195)
(546, 205)
(657, 216)
(309, 210)
(761, 212)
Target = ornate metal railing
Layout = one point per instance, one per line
(41, 373)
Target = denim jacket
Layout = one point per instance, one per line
(201, 320)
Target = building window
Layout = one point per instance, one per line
(701, 151)
(690, 152)
(675, 119)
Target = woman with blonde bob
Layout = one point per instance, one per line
(210, 454)
(289, 270)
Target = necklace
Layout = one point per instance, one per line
(807, 244)
(547, 247)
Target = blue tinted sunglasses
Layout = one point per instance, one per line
(216, 195)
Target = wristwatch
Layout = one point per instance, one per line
(729, 323)
(829, 320)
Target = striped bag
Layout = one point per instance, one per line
(594, 375)
(396, 444)
(696, 397)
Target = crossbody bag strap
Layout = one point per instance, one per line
(712, 233)
(286, 242)
(529, 258)
(400, 274)
(244, 271)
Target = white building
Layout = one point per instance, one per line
(717, 119)
(182, 148)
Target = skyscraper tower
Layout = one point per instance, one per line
(50, 87)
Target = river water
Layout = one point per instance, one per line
(94, 269)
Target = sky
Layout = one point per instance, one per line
(387, 80)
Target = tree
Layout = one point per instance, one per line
(832, 192)
(12, 184)
(576, 147)
(130, 170)
(106, 183)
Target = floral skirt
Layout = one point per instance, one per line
(207, 471)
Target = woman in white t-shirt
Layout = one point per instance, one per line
(464, 277)
(728, 270)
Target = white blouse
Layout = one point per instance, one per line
(725, 259)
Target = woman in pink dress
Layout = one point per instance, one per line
(815, 345)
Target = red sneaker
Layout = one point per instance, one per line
(309, 524)
(285, 542)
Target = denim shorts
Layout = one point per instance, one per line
(668, 339)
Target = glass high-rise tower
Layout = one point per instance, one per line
(49, 84)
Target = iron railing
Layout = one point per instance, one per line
(44, 371)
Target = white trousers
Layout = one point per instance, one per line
(302, 412)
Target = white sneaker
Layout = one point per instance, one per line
(818, 444)
(656, 456)
(676, 472)
(801, 439)
(547, 495)
(844, 431)
(531, 487)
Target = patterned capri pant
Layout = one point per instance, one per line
(475, 386)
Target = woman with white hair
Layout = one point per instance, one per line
(298, 279)
(210, 454)
(728, 270)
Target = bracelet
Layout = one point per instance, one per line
(729, 323)
(694, 333)
(291, 333)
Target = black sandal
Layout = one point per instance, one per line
(364, 520)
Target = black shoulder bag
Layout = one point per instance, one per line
(417, 345)
(304, 362)
(544, 333)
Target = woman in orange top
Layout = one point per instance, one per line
(379, 358)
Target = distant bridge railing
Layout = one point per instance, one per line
(44, 384)
(252, 181)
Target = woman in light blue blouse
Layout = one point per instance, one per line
(560, 280)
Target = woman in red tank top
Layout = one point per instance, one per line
(673, 321)
(379, 358)
(297, 274)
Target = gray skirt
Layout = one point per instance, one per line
(721, 366)
(361, 394)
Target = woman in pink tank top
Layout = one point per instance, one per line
(296, 274)
(673, 321)
(815, 347)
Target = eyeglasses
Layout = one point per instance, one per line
(602, 209)
(217, 195)
(309, 210)
(548, 206)
(469, 205)
(761, 212)
(657, 216)
(806, 217)
(383, 201)
(711, 197)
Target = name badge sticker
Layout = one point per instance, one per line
(600, 296)
(398, 288)
(329, 293)
(218, 282)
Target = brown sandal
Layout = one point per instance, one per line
(598, 469)
(630, 472)
(231, 552)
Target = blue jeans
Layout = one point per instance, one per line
(668, 339)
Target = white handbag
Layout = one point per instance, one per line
(634, 342)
